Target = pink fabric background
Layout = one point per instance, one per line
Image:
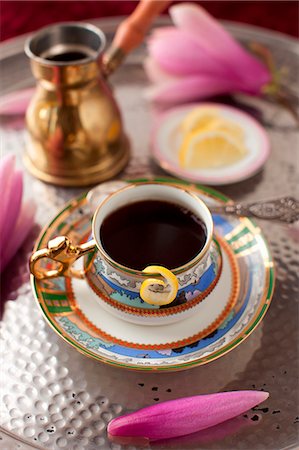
(18, 17)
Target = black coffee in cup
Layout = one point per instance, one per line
(152, 232)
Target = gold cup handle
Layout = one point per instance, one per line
(62, 251)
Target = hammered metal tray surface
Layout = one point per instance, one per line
(53, 397)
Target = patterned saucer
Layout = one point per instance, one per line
(206, 316)
(225, 318)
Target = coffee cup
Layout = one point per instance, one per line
(151, 258)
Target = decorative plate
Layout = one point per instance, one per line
(167, 139)
(225, 318)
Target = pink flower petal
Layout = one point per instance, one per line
(155, 73)
(14, 198)
(16, 103)
(23, 226)
(185, 416)
(6, 176)
(195, 87)
(160, 31)
(178, 53)
(212, 434)
(194, 20)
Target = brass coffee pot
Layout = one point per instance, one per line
(76, 136)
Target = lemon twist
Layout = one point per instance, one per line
(156, 291)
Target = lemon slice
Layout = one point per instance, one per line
(199, 119)
(224, 125)
(228, 127)
(210, 149)
(156, 291)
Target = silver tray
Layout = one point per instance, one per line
(53, 397)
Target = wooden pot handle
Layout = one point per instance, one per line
(131, 32)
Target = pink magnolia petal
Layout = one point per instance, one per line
(159, 32)
(194, 20)
(185, 416)
(216, 433)
(16, 103)
(190, 88)
(155, 73)
(23, 226)
(178, 53)
(212, 434)
(14, 199)
(6, 176)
